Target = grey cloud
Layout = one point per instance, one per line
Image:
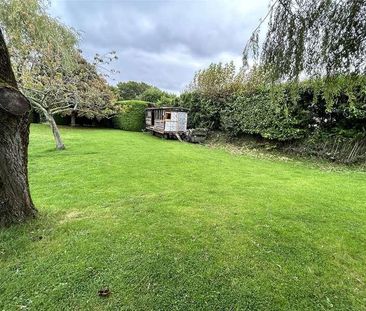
(151, 37)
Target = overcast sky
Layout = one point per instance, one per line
(162, 42)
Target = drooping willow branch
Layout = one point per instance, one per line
(313, 38)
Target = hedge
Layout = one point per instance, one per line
(132, 115)
(280, 114)
(272, 116)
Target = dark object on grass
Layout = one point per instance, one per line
(196, 135)
(104, 292)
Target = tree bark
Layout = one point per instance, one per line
(56, 132)
(15, 201)
(51, 121)
(73, 119)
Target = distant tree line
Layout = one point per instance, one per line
(133, 90)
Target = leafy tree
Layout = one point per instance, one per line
(44, 54)
(131, 89)
(312, 38)
(167, 100)
(157, 96)
(15, 201)
(217, 81)
(114, 90)
(208, 93)
(92, 98)
(50, 68)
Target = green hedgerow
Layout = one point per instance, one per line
(132, 115)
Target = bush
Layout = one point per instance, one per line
(132, 115)
(285, 112)
(203, 111)
(270, 115)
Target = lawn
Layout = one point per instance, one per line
(172, 226)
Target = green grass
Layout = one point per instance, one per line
(172, 226)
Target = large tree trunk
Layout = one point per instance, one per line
(15, 201)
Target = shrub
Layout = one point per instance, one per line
(203, 111)
(285, 112)
(132, 115)
(258, 114)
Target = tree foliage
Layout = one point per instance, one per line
(218, 80)
(50, 68)
(157, 96)
(313, 38)
(92, 97)
(131, 89)
(36, 38)
(308, 78)
(43, 51)
(275, 115)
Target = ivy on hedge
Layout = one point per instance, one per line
(132, 115)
